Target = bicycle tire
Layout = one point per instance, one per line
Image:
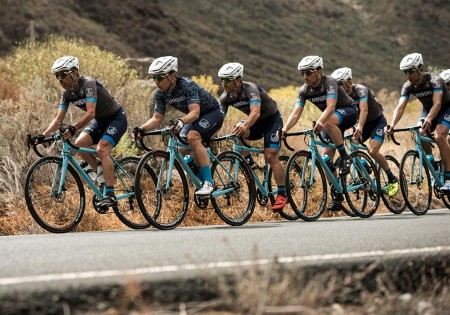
(395, 204)
(417, 194)
(236, 206)
(304, 196)
(358, 182)
(56, 214)
(287, 213)
(164, 208)
(127, 209)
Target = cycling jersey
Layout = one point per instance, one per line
(318, 95)
(249, 95)
(185, 92)
(90, 90)
(431, 83)
(361, 93)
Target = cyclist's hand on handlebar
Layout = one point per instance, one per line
(137, 133)
(389, 130)
(318, 127)
(358, 132)
(426, 125)
(69, 131)
(240, 129)
(177, 125)
(283, 134)
(37, 139)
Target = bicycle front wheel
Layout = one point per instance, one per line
(417, 183)
(55, 212)
(362, 186)
(306, 186)
(163, 196)
(127, 209)
(396, 204)
(235, 186)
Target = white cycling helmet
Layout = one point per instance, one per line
(411, 61)
(163, 65)
(65, 63)
(342, 74)
(310, 63)
(446, 76)
(231, 70)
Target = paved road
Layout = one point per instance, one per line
(45, 261)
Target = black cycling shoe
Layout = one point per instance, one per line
(344, 165)
(334, 206)
(107, 201)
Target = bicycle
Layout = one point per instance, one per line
(416, 169)
(396, 204)
(307, 170)
(164, 200)
(264, 181)
(55, 195)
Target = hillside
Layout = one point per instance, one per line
(268, 37)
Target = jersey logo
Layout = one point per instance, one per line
(341, 111)
(111, 130)
(252, 96)
(447, 117)
(204, 123)
(379, 132)
(362, 93)
(436, 85)
(89, 92)
(331, 89)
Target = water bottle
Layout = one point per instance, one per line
(329, 162)
(100, 177)
(434, 163)
(190, 161)
(88, 169)
(366, 166)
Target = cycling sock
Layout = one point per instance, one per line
(205, 173)
(282, 190)
(342, 152)
(390, 175)
(109, 190)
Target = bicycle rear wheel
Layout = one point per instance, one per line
(163, 202)
(306, 190)
(417, 183)
(127, 209)
(232, 175)
(396, 204)
(56, 213)
(361, 187)
(288, 213)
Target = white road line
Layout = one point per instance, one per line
(213, 265)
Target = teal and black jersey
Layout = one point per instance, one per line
(431, 83)
(249, 95)
(90, 90)
(361, 93)
(318, 95)
(184, 93)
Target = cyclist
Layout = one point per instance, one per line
(263, 121)
(339, 112)
(370, 124)
(446, 76)
(431, 91)
(106, 118)
(202, 114)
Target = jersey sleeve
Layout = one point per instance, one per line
(301, 99)
(405, 91)
(192, 93)
(223, 104)
(91, 91)
(332, 89)
(254, 97)
(362, 92)
(63, 102)
(160, 103)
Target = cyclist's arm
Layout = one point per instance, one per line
(328, 112)
(398, 111)
(437, 102)
(153, 122)
(87, 117)
(363, 111)
(54, 124)
(193, 115)
(293, 118)
(255, 112)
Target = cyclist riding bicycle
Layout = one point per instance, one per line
(106, 118)
(370, 124)
(445, 75)
(431, 91)
(202, 114)
(263, 121)
(339, 112)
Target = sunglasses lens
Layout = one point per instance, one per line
(226, 80)
(306, 73)
(158, 78)
(61, 75)
(410, 71)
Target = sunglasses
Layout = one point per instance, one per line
(410, 71)
(159, 78)
(307, 73)
(61, 75)
(226, 80)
